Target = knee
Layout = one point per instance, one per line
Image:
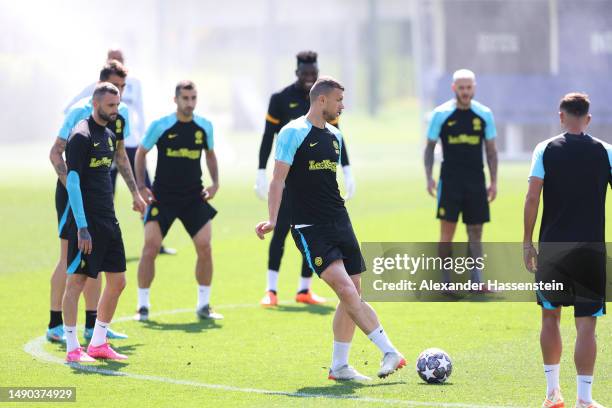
(348, 294)
(551, 321)
(474, 233)
(74, 287)
(116, 286)
(151, 249)
(203, 248)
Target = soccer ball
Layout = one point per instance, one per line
(434, 366)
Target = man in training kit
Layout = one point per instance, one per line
(131, 96)
(286, 105)
(178, 193)
(95, 243)
(307, 155)
(574, 170)
(462, 125)
(113, 72)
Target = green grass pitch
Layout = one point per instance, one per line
(279, 358)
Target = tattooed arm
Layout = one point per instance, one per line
(491, 149)
(55, 155)
(123, 165)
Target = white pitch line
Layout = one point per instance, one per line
(36, 349)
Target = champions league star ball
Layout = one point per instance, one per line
(434, 366)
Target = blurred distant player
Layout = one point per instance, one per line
(574, 170)
(178, 193)
(286, 105)
(113, 72)
(94, 243)
(131, 96)
(307, 155)
(463, 126)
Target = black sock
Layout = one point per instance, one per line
(90, 318)
(55, 319)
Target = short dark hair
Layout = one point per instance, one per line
(323, 86)
(184, 84)
(575, 104)
(306, 57)
(112, 67)
(103, 88)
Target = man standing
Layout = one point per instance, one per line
(286, 105)
(307, 155)
(573, 170)
(178, 193)
(95, 243)
(463, 125)
(113, 72)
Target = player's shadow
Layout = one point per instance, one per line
(103, 367)
(187, 327)
(444, 384)
(313, 309)
(341, 388)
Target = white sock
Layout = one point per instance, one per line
(203, 295)
(551, 371)
(379, 337)
(272, 280)
(143, 298)
(476, 275)
(340, 354)
(99, 333)
(72, 341)
(584, 384)
(304, 283)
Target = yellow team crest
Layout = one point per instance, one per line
(154, 211)
(110, 144)
(477, 124)
(318, 261)
(118, 126)
(441, 212)
(199, 137)
(82, 264)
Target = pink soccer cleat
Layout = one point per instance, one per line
(79, 356)
(104, 351)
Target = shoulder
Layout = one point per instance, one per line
(334, 130)
(202, 122)
(80, 131)
(544, 144)
(299, 128)
(481, 110)
(123, 109)
(447, 107)
(165, 122)
(606, 146)
(81, 107)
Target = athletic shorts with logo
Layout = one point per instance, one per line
(108, 252)
(325, 243)
(193, 213)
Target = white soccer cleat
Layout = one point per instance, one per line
(347, 373)
(390, 363)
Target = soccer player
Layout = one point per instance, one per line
(288, 104)
(95, 243)
(307, 155)
(178, 193)
(573, 169)
(113, 72)
(462, 125)
(131, 96)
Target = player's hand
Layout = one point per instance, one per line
(431, 187)
(138, 203)
(349, 182)
(209, 192)
(147, 195)
(263, 228)
(530, 257)
(261, 184)
(492, 192)
(84, 243)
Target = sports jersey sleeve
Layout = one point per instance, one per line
(272, 127)
(435, 125)
(77, 152)
(154, 132)
(537, 161)
(287, 144)
(208, 129)
(123, 111)
(490, 129)
(72, 117)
